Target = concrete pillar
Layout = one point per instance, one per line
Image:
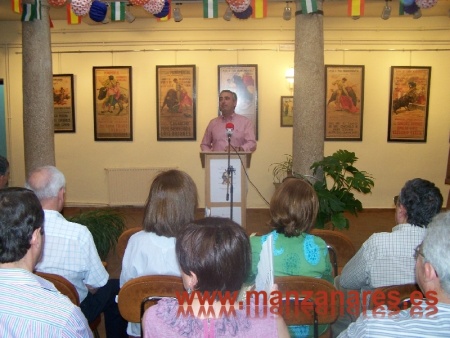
(309, 92)
(37, 92)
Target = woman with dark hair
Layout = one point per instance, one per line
(293, 211)
(171, 204)
(214, 257)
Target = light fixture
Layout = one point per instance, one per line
(287, 12)
(228, 14)
(290, 77)
(129, 17)
(177, 16)
(386, 12)
(417, 14)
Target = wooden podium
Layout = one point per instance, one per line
(218, 185)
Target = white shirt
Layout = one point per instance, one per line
(69, 251)
(148, 254)
(386, 258)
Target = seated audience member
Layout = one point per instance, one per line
(426, 318)
(4, 172)
(293, 212)
(214, 255)
(30, 306)
(171, 204)
(70, 252)
(388, 258)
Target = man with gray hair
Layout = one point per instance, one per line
(429, 317)
(70, 252)
(4, 172)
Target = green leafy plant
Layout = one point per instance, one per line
(105, 225)
(338, 197)
(281, 170)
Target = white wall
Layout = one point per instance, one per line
(374, 43)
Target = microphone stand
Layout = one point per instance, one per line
(230, 172)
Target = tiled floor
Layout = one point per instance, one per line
(361, 227)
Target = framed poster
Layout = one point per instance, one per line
(344, 88)
(63, 103)
(287, 111)
(175, 103)
(112, 104)
(243, 80)
(408, 104)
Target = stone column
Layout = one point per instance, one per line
(37, 92)
(309, 91)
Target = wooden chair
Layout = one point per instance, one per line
(308, 312)
(341, 244)
(402, 292)
(123, 241)
(134, 296)
(66, 288)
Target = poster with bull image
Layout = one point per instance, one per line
(112, 104)
(175, 99)
(63, 103)
(408, 104)
(344, 104)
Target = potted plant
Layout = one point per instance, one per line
(281, 170)
(335, 194)
(105, 225)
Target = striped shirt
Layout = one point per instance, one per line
(69, 251)
(386, 258)
(429, 321)
(30, 306)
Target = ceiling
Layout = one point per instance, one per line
(194, 9)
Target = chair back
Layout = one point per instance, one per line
(342, 245)
(308, 301)
(123, 241)
(396, 297)
(136, 290)
(62, 285)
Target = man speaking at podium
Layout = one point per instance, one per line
(229, 124)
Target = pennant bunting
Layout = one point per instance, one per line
(309, 6)
(31, 12)
(72, 19)
(259, 8)
(117, 11)
(210, 9)
(401, 8)
(16, 6)
(168, 16)
(355, 7)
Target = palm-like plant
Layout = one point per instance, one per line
(281, 170)
(105, 225)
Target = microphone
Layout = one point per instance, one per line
(230, 127)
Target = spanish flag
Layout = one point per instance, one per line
(72, 19)
(16, 6)
(355, 7)
(210, 9)
(259, 9)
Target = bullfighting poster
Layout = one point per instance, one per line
(112, 104)
(243, 80)
(63, 103)
(175, 103)
(408, 104)
(344, 103)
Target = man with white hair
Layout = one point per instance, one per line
(430, 318)
(70, 252)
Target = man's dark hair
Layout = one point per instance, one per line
(217, 250)
(20, 215)
(422, 201)
(4, 165)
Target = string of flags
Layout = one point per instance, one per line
(30, 10)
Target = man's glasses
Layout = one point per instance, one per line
(418, 251)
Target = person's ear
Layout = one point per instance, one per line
(429, 272)
(192, 280)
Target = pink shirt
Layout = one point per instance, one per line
(216, 139)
